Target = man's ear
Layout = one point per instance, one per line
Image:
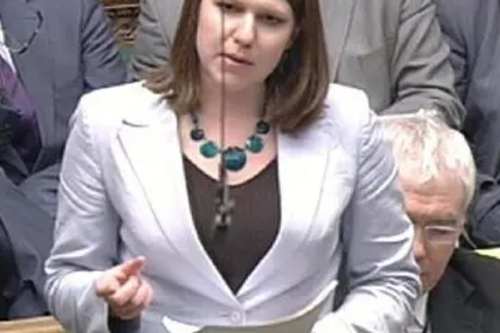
(466, 239)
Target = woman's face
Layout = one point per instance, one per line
(245, 37)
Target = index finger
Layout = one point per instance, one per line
(129, 268)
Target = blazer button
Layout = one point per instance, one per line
(236, 318)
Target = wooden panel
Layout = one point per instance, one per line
(32, 325)
(124, 14)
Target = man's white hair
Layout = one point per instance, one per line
(424, 146)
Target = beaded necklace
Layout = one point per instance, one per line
(234, 158)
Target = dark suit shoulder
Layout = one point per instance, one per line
(467, 298)
(480, 271)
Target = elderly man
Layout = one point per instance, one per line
(437, 176)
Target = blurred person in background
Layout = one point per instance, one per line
(51, 52)
(472, 30)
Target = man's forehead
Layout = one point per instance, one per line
(445, 187)
(435, 218)
(434, 202)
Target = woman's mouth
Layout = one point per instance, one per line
(236, 60)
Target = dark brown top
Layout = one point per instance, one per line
(255, 224)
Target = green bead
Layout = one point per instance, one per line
(234, 158)
(209, 149)
(263, 127)
(255, 144)
(197, 134)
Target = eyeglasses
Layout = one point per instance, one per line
(18, 45)
(440, 234)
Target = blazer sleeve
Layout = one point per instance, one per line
(451, 16)
(420, 66)
(382, 275)
(85, 235)
(102, 62)
(151, 46)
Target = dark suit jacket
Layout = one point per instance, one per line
(467, 299)
(472, 29)
(74, 52)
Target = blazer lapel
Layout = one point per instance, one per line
(450, 309)
(163, 181)
(302, 161)
(35, 69)
(11, 157)
(337, 16)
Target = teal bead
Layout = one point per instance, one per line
(263, 127)
(197, 134)
(209, 149)
(234, 158)
(255, 144)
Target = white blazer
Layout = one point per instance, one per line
(123, 194)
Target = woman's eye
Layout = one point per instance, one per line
(227, 7)
(271, 19)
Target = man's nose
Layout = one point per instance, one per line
(419, 250)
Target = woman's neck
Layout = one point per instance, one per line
(239, 107)
(242, 110)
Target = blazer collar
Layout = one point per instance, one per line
(35, 66)
(302, 164)
(337, 16)
(153, 137)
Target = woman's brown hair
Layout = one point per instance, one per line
(295, 90)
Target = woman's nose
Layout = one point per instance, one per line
(245, 31)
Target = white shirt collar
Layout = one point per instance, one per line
(4, 52)
(419, 317)
(421, 310)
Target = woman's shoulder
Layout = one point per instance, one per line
(112, 105)
(347, 107)
(341, 100)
